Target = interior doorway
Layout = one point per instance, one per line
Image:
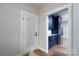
(59, 31)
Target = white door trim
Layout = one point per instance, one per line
(69, 6)
(36, 28)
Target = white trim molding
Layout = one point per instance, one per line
(69, 7)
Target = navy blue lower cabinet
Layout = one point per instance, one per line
(52, 40)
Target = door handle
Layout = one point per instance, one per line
(35, 33)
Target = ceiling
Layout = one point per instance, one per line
(38, 5)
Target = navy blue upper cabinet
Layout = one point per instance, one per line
(53, 24)
(50, 23)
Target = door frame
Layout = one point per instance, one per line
(36, 28)
(69, 7)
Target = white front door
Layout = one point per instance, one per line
(28, 30)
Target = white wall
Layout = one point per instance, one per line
(42, 23)
(10, 27)
(76, 29)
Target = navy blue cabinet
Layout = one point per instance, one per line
(54, 27)
(53, 40)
